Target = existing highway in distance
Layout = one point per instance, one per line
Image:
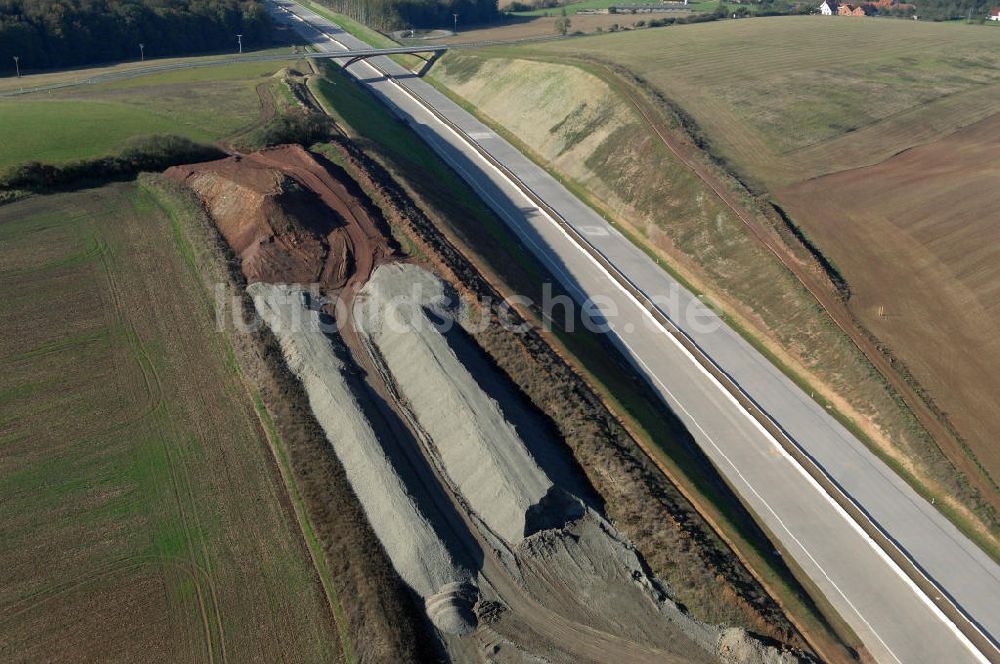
(895, 619)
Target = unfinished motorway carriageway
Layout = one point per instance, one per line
(908, 582)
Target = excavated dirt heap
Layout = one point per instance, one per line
(288, 217)
(565, 555)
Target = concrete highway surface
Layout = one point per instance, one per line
(895, 619)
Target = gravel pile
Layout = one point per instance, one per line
(479, 449)
(416, 550)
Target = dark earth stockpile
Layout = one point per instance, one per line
(287, 218)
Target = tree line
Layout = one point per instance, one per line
(140, 153)
(943, 10)
(58, 33)
(396, 14)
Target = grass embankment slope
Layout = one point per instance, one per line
(678, 558)
(133, 471)
(758, 90)
(76, 123)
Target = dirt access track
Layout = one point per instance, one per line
(289, 219)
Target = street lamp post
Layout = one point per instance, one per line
(239, 41)
(456, 22)
(17, 65)
(142, 52)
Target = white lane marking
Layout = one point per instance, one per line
(781, 451)
(594, 231)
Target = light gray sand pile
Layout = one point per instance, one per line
(737, 647)
(416, 551)
(598, 579)
(590, 568)
(479, 449)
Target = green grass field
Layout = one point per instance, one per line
(133, 471)
(785, 98)
(54, 131)
(76, 123)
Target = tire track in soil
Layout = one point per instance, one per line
(154, 388)
(205, 568)
(268, 110)
(128, 563)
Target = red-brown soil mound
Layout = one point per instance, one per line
(290, 219)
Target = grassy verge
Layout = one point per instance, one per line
(84, 74)
(183, 226)
(359, 30)
(487, 240)
(308, 531)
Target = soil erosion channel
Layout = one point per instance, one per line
(477, 503)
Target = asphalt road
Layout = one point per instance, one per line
(135, 72)
(896, 621)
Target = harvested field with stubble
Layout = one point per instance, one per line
(791, 97)
(144, 517)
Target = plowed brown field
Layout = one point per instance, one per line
(918, 238)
